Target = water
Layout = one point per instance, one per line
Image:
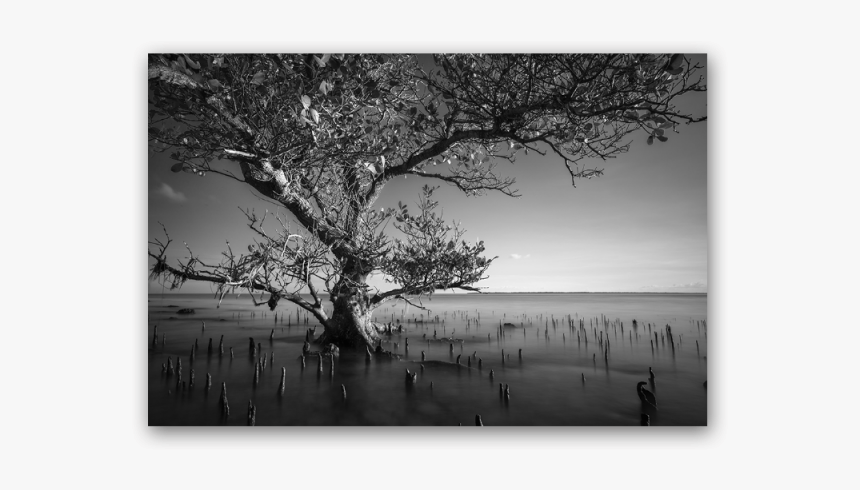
(546, 386)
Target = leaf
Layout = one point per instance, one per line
(663, 138)
(324, 59)
(650, 140)
(306, 101)
(215, 84)
(324, 88)
(177, 167)
(258, 78)
(315, 115)
(191, 62)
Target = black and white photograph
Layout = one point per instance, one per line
(508, 245)
(427, 239)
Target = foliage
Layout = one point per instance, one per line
(322, 135)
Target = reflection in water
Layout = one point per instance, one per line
(543, 371)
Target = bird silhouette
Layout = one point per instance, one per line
(646, 396)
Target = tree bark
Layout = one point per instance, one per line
(350, 324)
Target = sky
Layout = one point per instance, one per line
(641, 227)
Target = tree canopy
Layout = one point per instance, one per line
(322, 134)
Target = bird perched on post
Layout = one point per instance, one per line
(646, 396)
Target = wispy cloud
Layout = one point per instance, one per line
(518, 256)
(171, 194)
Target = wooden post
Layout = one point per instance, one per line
(283, 380)
(225, 406)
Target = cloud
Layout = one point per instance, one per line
(518, 256)
(168, 192)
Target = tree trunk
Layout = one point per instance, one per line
(350, 324)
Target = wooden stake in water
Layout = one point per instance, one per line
(283, 381)
(343, 390)
(208, 382)
(478, 421)
(252, 414)
(225, 406)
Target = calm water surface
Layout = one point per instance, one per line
(546, 385)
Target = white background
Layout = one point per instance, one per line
(783, 168)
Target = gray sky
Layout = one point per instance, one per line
(642, 226)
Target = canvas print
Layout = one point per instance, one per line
(430, 239)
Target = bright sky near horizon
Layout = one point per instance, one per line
(641, 227)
